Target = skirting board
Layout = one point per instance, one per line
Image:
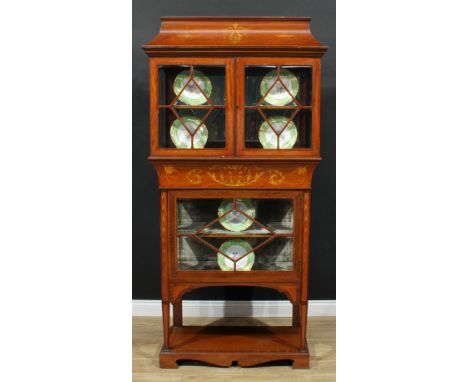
(199, 308)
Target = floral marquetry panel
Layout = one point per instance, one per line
(235, 175)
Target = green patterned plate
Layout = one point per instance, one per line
(234, 249)
(269, 139)
(181, 137)
(235, 221)
(192, 94)
(278, 95)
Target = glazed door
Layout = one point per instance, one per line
(278, 107)
(191, 106)
(235, 234)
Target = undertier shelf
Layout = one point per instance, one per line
(227, 345)
(231, 339)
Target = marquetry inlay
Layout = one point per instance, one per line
(235, 175)
(237, 33)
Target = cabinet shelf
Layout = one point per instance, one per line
(277, 107)
(223, 345)
(192, 106)
(237, 235)
(235, 338)
(277, 228)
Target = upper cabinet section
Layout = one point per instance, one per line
(235, 87)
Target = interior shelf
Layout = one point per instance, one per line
(277, 228)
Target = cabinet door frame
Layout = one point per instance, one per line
(241, 150)
(155, 150)
(218, 276)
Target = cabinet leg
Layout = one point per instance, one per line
(167, 362)
(302, 363)
(296, 315)
(165, 316)
(177, 313)
(304, 324)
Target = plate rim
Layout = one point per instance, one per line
(174, 136)
(247, 219)
(266, 126)
(294, 93)
(250, 256)
(203, 77)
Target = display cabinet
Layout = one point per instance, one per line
(235, 140)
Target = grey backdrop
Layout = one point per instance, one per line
(146, 269)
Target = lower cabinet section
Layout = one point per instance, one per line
(255, 238)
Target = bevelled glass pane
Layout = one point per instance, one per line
(278, 107)
(191, 103)
(193, 255)
(275, 256)
(235, 234)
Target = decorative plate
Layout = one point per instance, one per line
(278, 95)
(269, 139)
(192, 94)
(235, 249)
(181, 137)
(235, 221)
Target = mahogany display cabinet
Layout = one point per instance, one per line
(235, 140)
